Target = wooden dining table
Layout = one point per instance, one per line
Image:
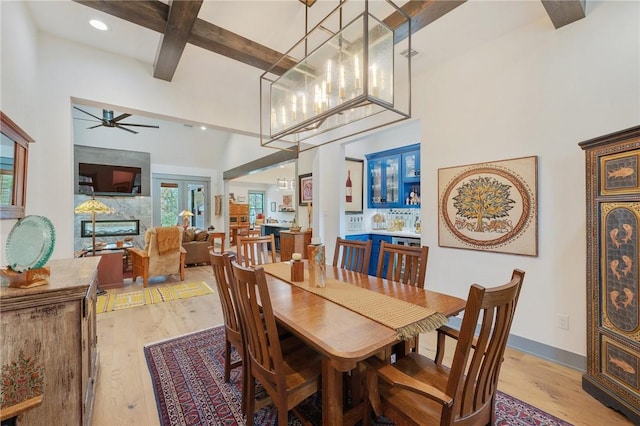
(342, 336)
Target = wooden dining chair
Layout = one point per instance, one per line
(217, 237)
(257, 250)
(352, 255)
(405, 264)
(419, 391)
(287, 375)
(223, 274)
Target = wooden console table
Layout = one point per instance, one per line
(55, 325)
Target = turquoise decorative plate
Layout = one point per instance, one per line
(30, 243)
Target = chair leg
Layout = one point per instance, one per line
(440, 348)
(251, 400)
(227, 361)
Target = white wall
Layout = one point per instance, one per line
(18, 83)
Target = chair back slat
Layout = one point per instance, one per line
(405, 264)
(474, 373)
(257, 250)
(352, 255)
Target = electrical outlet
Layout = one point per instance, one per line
(562, 321)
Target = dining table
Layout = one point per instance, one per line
(342, 336)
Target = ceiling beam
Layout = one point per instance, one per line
(182, 16)
(564, 12)
(153, 15)
(422, 13)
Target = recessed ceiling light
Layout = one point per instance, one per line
(203, 127)
(98, 25)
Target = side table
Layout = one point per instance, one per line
(110, 268)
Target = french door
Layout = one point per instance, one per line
(174, 194)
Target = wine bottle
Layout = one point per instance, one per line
(349, 185)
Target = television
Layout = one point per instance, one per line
(107, 179)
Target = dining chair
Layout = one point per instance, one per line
(352, 255)
(257, 250)
(288, 375)
(223, 274)
(419, 391)
(405, 264)
(215, 238)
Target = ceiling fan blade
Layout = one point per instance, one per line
(88, 113)
(124, 128)
(93, 127)
(85, 119)
(139, 125)
(120, 117)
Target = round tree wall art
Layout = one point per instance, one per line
(490, 206)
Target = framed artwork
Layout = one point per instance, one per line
(242, 199)
(619, 173)
(273, 206)
(354, 185)
(305, 187)
(490, 206)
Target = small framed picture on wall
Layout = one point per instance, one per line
(305, 185)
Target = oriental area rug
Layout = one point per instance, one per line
(188, 378)
(112, 301)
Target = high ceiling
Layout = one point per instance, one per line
(274, 26)
(448, 28)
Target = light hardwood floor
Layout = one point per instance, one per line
(124, 394)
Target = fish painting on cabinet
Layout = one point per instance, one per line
(620, 281)
(619, 173)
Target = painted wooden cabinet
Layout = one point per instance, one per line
(613, 317)
(55, 326)
(393, 178)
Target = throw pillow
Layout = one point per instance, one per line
(188, 235)
(201, 235)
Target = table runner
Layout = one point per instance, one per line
(407, 319)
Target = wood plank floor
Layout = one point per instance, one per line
(124, 394)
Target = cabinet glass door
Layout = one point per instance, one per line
(391, 168)
(411, 161)
(375, 179)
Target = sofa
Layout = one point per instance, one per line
(196, 242)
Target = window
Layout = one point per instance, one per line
(256, 206)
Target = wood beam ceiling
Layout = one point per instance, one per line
(181, 23)
(564, 12)
(182, 16)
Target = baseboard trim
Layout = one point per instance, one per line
(541, 350)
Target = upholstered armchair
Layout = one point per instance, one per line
(163, 254)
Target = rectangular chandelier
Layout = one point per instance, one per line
(351, 78)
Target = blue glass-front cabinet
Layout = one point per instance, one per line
(394, 178)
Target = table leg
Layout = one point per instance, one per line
(332, 391)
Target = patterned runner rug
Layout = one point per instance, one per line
(112, 301)
(188, 378)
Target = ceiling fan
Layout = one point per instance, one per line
(107, 120)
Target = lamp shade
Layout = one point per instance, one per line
(185, 213)
(93, 206)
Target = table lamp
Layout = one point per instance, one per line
(93, 206)
(185, 216)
